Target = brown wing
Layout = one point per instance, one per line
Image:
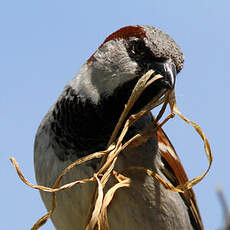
(175, 172)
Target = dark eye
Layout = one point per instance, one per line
(142, 54)
(138, 47)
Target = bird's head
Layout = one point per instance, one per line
(123, 58)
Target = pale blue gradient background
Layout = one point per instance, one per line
(44, 43)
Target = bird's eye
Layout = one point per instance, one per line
(143, 55)
(139, 46)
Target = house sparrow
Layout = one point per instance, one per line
(82, 121)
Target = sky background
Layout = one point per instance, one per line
(44, 43)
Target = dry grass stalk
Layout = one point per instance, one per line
(98, 214)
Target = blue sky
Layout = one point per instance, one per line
(44, 43)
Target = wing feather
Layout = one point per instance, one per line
(175, 172)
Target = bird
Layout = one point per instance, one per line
(82, 120)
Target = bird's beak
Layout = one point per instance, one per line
(168, 70)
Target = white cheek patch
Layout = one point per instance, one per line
(110, 68)
(82, 84)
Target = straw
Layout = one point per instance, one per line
(97, 218)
